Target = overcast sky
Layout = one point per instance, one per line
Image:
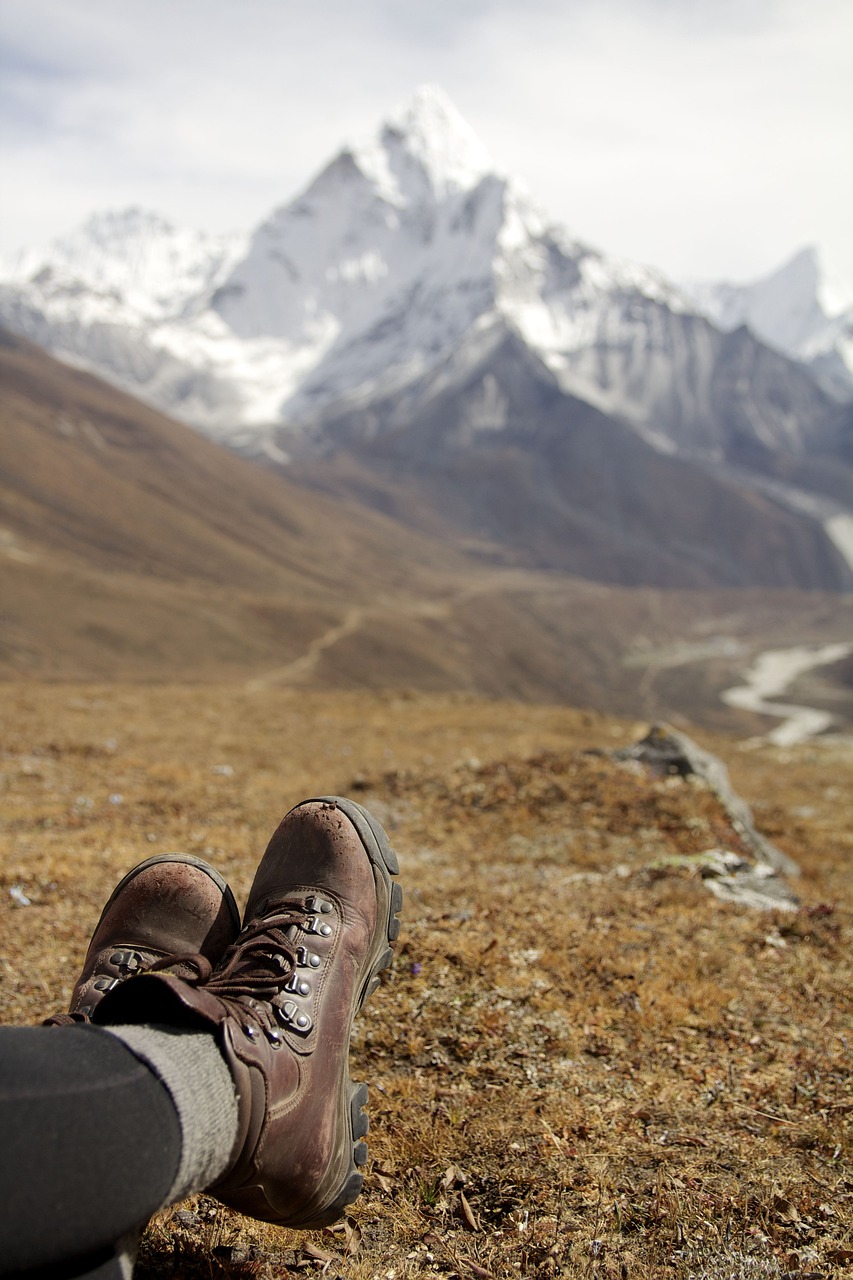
(711, 138)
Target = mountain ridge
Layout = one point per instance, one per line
(792, 310)
(413, 230)
(382, 290)
(503, 454)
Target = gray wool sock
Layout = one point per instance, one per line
(195, 1073)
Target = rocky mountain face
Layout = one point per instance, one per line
(497, 451)
(793, 311)
(416, 311)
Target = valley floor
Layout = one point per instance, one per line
(582, 1063)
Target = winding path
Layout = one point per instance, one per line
(307, 661)
(509, 581)
(352, 621)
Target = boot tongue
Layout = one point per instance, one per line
(192, 967)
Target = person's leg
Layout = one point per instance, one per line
(245, 1088)
(90, 1141)
(99, 1133)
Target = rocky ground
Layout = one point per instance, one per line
(584, 1062)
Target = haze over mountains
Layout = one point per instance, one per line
(414, 333)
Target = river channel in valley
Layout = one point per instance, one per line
(768, 678)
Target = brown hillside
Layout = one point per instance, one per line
(130, 544)
(89, 471)
(131, 547)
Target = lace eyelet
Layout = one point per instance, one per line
(294, 1019)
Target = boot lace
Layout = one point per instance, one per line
(262, 959)
(252, 974)
(129, 963)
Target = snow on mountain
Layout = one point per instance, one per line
(395, 257)
(402, 245)
(426, 148)
(794, 310)
(125, 267)
(109, 296)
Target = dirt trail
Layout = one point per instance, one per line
(394, 607)
(301, 666)
(353, 620)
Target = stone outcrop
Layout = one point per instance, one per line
(756, 881)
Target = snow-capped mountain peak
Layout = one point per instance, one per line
(415, 211)
(400, 250)
(425, 150)
(794, 309)
(127, 265)
(782, 307)
(428, 138)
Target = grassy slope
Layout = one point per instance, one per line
(582, 1063)
(110, 484)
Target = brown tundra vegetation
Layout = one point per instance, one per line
(583, 1063)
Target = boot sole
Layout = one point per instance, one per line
(347, 1179)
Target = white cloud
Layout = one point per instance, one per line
(709, 137)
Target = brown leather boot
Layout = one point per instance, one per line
(168, 905)
(281, 1002)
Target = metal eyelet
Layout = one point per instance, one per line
(313, 925)
(306, 959)
(298, 986)
(319, 904)
(290, 1016)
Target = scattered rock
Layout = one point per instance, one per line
(666, 751)
(186, 1218)
(728, 875)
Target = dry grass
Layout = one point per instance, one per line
(582, 1063)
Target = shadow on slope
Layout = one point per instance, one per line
(495, 450)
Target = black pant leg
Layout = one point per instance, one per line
(89, 1146)
(103, 1265)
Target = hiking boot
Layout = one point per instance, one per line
(168, 905)
(320, 917)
